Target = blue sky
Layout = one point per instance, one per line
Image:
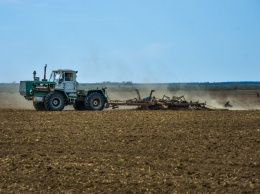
(143, 41)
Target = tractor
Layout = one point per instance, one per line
(61, 90)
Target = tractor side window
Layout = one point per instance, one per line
(60, 77)
(56, 77)
(68, 77)
(52, 77)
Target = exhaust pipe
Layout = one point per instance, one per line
(44, 78)
(34, 75)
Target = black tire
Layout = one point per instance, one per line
(54, 102)
(95, 101)
(39, 106)
(79, 105)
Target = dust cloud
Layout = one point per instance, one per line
(14, 101)
(240, 100)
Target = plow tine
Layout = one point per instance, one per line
(138, 94)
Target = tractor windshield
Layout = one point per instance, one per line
(56, 77)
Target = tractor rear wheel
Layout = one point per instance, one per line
(39, 106)
(95, 101)
(54, 102)
(79, 105)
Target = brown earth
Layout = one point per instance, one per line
(129, 151)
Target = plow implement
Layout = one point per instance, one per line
(153, 103)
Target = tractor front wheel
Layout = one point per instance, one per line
(95, 101)
(54, 102)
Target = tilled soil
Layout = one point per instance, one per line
(129, 151)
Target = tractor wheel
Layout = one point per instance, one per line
(39, 106)
(95, 101)
(54, 101)
(79, 105)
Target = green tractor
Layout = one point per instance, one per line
(61, 90)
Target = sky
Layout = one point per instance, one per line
(143, 41)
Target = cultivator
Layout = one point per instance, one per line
(153, 103)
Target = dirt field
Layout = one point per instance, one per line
(128, 151)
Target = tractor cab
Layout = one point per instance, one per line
(65, 80)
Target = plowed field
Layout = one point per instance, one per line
(130, 151)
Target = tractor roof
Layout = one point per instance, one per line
(64, 70)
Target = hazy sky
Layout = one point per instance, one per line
(144, 41)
